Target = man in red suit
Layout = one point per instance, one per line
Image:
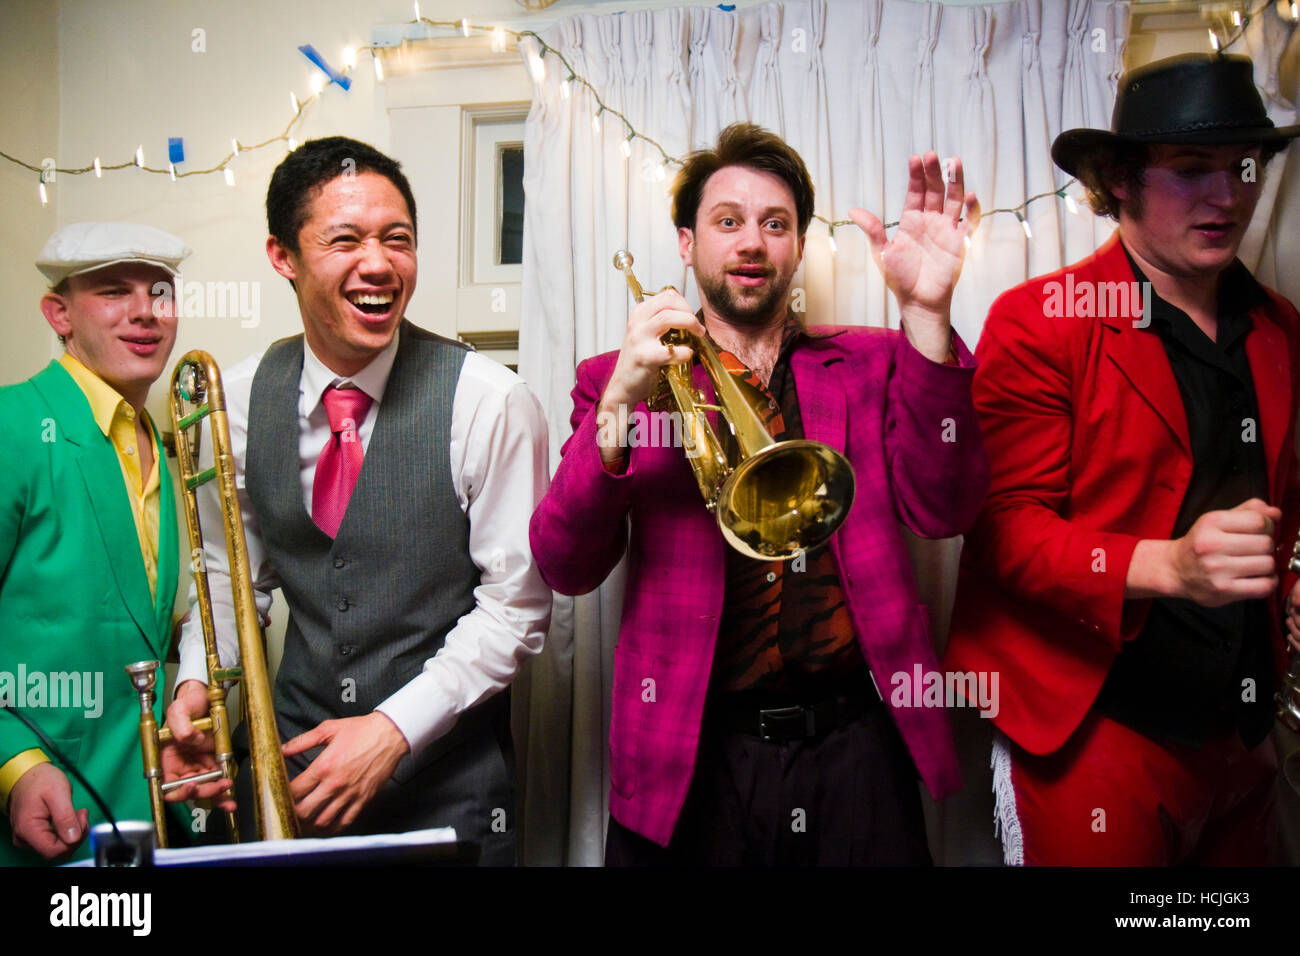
(1138, 409)
(745, 725)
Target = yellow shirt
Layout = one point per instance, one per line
(116, 419)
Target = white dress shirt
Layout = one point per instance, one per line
(499, 468)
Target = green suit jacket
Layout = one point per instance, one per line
(75, 607)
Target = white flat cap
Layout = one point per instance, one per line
(87, 246)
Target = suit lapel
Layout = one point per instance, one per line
(168, 557)
(1141, 357)
(1267, 351)
(1138, 352)
(822, 404)
(101, 472)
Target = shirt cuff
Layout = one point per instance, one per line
(193, 668)
(14, 769)
(420, 711)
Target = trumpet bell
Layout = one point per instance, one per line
(786, 499)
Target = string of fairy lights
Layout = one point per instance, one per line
(535, 50)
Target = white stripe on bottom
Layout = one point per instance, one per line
(1004, 799)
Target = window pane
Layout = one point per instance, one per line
(511, 174)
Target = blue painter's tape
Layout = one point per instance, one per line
(727, 7)
(310, 53)
(175, 150)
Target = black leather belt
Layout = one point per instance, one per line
(797, 721)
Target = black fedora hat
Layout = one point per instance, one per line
(1202, 99)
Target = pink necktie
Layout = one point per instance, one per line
(340, 459)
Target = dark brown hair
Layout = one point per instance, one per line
(742, 144)
(317, 162)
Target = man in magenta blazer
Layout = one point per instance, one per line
(1123, 579)
(747, 727)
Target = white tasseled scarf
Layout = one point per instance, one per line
(1004, 808)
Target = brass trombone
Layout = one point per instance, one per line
(196, 394)
(778, 499)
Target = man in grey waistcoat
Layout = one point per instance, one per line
(386, 477)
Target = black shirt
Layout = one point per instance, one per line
(1184, 676)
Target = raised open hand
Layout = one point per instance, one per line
(922, 262)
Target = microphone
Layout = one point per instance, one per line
(120, 852)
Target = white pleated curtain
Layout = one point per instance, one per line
(855, 86)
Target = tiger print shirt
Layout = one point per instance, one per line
(785, 628)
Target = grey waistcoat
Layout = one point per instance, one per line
(370, 606)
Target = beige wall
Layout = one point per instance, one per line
(29, 119)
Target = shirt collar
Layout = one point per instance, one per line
(372, 379)
(1239, 293)
(105, 401)
(791, 332)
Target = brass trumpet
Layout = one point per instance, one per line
(778, 499)
(1288, 696)
(196, 394)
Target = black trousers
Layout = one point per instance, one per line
(848, 798)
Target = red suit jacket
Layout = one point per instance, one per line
(1089, 453)
(908, 427)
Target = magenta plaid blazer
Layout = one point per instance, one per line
(910, 431)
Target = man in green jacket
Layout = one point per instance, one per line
(88, 544)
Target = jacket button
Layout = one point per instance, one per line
(343, 604)
(339, 563)
(346, 649)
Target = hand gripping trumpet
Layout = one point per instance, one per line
(196, 394)
(777, 499)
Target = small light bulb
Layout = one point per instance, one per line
(1214, 41)
(830, 241)
(595, 123)
(564, 89)
(139, 156)
(99, 173)
(966, 240)
(171, 171)
(45, 197)
(230, 176)
(626, 147)
(660, 172)
(1071, 205)
(293, 103)
(293, 144)
(349, 56)
(499, 39)
(464, 26)
(317, 83)
(416, 4)
(379, 69)
(1024, 224)
(1236, 18)
(234, 145)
